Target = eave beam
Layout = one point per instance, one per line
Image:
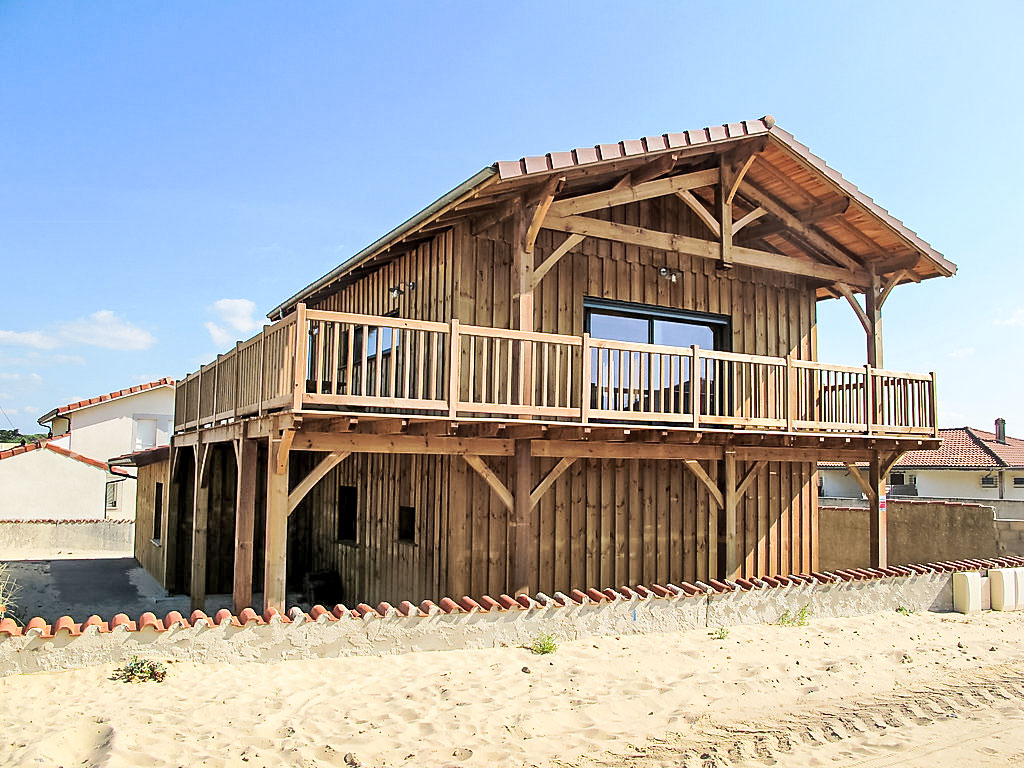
(633, 193)
(708, 249)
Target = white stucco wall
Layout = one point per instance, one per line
(43, 485)
(933, 483)
(107, 429)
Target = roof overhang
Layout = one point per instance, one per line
(832, 212)
(142, 458)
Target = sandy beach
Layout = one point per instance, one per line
(883, 690)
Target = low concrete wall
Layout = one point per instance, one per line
(1010, 537)
(40, 536)
(919, 532)
(371, 634)
(1005, 509)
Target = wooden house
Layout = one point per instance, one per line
(586, 369)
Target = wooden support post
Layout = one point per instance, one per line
(301, 361)
(521, 558)
(245, 521)
(200, 511)
(873, 310)
(730, 506)
(723, 208)
(276, 550)
(522, 299)
(878, 521)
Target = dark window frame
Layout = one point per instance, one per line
(158, 513)
(352, 527)
(719, 324)
(406, 526)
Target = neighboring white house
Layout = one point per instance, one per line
(67, 477)
(970, 464)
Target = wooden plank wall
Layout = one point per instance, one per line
(151, 556)
(603, 523)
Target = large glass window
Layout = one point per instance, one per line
(635, 379)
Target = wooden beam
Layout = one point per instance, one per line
(859, 478)
(730, 506)
(701, 474)
(276, 537)
(812, 455)
(567, 245)
(499, 488)
(200, 523)
(707, 249)
(723, 208)
(593, 449)
(316, 474)
(539, 210)
(522, 573)
(633, 193)
(889, 285)
(702, 213)
(284, 446)
(847, 293)
(806, 216)
(245, 523)
(549, 479)
(737, 172)
(654, 169)
(427, 445)
(878, 521)
(792, 223)
(754, 215)
(873, 310)
(749, 477)
(383, 426)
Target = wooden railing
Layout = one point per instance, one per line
(316, 360)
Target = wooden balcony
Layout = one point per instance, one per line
(317, 361)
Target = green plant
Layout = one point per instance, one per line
(904, 610)
(137, 670)
(542, 644)
(798, 619)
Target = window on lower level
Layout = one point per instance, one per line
(158, 512)
(1018, 482)
(407, 524)
(347, 511)
(988, 481)
(112, 494)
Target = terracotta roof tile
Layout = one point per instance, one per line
(166, 381)
(486, 604)
(50, 445)
(963, 448)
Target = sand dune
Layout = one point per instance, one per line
(887, 689)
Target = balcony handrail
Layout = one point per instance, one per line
(318, 359)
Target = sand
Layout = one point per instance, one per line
(883, 690)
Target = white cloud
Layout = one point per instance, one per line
(31, 409)
(34, 339)
(107, 330)
(235, 319)
(961, 352)
(1015, 319)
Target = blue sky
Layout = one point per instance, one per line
(159, 159)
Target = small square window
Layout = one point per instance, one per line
(897, 478)
(158, 512)
(347, 512)
(407, 524)
(112, 495)
(988, 481)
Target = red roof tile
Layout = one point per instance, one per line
(166, 381)
(963, 448)
(50, 445)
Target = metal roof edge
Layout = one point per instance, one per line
(437, 207)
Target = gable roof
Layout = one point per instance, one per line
(784, 168)
(50, 445)
(963, 448)
(78, 405)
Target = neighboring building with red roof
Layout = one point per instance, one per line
(970, 464)
(68, 477)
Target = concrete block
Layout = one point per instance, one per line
(967, 592)
(1003, 589)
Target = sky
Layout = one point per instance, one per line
(170, 172)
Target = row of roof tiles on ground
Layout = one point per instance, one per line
(486, 604)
